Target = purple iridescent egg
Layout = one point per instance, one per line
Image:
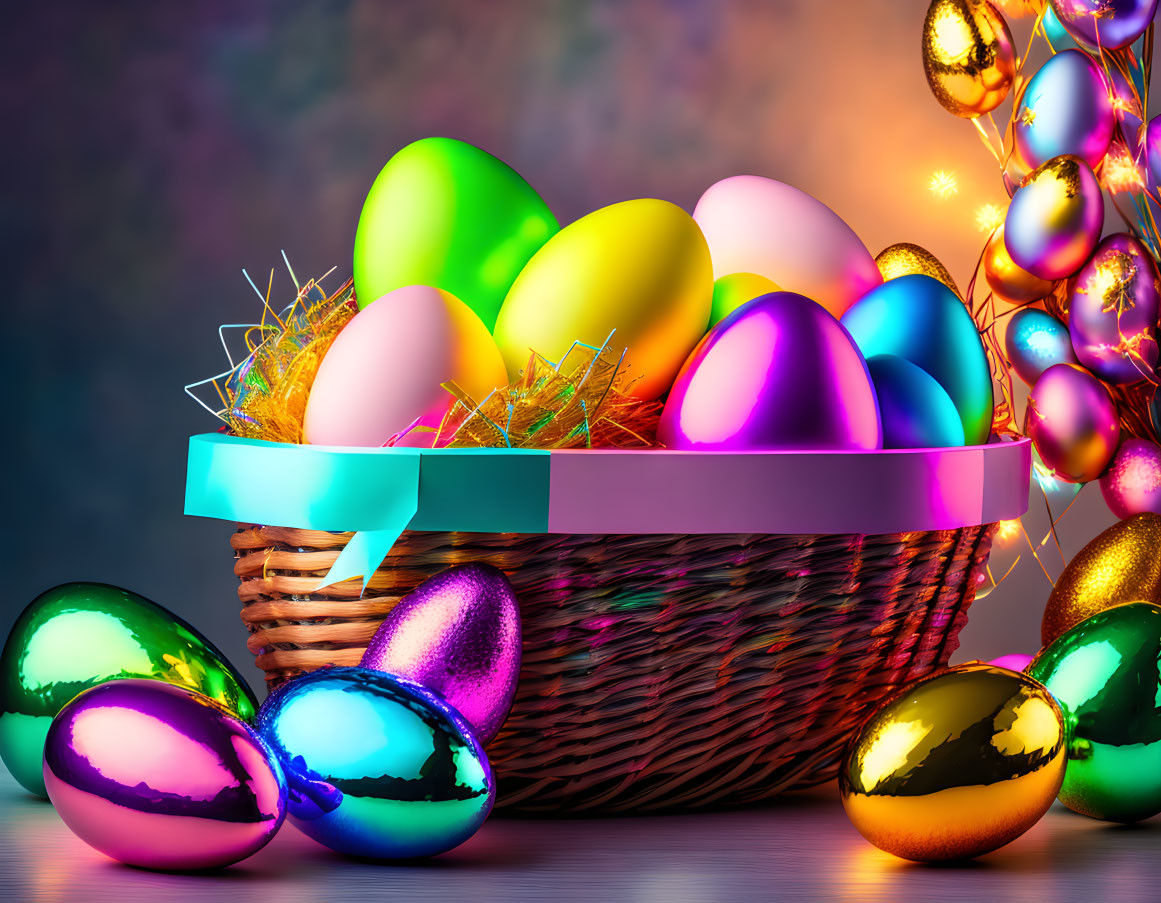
(1072, 421)
(1109, 24)
(1153, 150)
(1064, 110)
(1113, 305)
(161, 777)
(1055, 218)
(778, 373)
(458, 634)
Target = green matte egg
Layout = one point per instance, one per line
(1104, 674)
(922, 321)
(78, 635)
(446, 214)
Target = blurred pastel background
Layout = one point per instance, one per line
(153, 150)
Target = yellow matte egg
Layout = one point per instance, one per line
(641, 268)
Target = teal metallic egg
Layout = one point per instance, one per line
(378, 766)
(78, 635)
(1104, 674)
(915, 411)
(922, 321)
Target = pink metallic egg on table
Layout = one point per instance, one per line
(1113, 305)
(1132, 484)
(1072, 421)
(457, 633)
(1065, 109)
(1015, 661)
(1054, 221)
(161, 777)
(777, 373)
(1034, 341)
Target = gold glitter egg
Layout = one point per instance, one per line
(1122, 564)
(956, 764)
(968, 56)
(904, 259)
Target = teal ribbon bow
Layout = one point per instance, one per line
(375, 492)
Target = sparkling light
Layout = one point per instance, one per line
(943, 183)
(1007, 529)
(1121, 172)
(989, 217)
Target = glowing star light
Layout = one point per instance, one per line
(943, 184)
(989, 217)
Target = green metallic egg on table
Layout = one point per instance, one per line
(78, 635)
(1104, 674)
(446, 214)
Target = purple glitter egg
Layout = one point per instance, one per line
(1054, 221)
(1113, 305)
(161, 777)
(458, 634)
(1064, 110)
(778, 373)
(1132, 484)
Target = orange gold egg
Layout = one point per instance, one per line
(1008, 281)
(955, 765)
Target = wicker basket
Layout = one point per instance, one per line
(659, 671)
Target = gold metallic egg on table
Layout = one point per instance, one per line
(1122, 564)
(956, 764)
(968, 56)
(904, 258)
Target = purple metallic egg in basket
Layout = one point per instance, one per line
(1113, 306)
(457, 633)
(778, 373)
(161, 777)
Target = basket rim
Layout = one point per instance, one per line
(606, 491)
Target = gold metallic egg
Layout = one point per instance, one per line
(1008, 281)
(903, 259)
(1122, 564)
(968, 56)
(956, 764)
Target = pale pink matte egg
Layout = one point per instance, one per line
(384, 371)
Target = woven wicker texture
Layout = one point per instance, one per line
(660, 671)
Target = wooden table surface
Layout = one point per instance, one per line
(803, 848)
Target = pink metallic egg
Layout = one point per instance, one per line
(1055, 218)
(161, 777)
(1113, 305)
(458, 634)
(1073, 423)
(1015, 661)
(1132, 484)
(777, 373)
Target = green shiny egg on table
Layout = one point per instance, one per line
(1104, 674)
(78, 635)
(446, 214)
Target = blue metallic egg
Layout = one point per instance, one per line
(921, 320)
(1036, 340)
(378, 766)
(915, 411)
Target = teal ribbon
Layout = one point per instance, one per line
(376, 492)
